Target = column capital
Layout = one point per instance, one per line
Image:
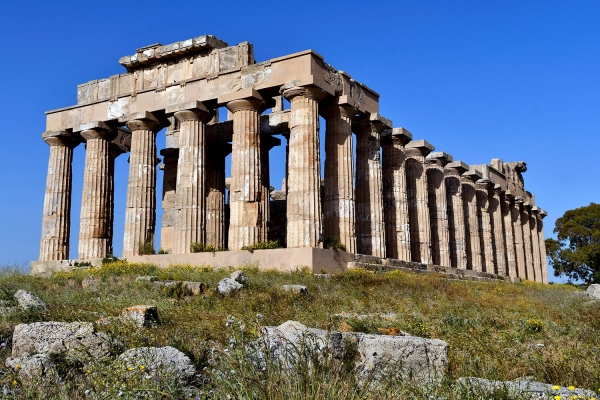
(499, 189)
(472, 174)
(371, 122)
(143, 120)
(338, 110)
(418, 148)
(484, 184)
(455, 168)
(60, 138)
(291, 90)
(438, 158)
(543, 214)
(96, 130)
(401, 135)
(190, 111)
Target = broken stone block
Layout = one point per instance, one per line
(29, 301)
(150, 278)
(30, 367)
(593, 291)
(523, 389)
(228, 285)
(166, 360)
(141, 315)
(295, 289)
(240, 277)
(191, 288)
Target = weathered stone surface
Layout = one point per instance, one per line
(30, 367)
(148, 278)
(165, 360)
(373, 355)
(29, 301)
(192, 288)
(295, 289)
(593, 291)
(77, 340)
(228, 285)
(240, 277)
(141, 315)
(523, 389)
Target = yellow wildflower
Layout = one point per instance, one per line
(141, 367)
(130, 368)
(555, 387)
(18, 366)
(571, 388)
(557, 397)
(15, 383)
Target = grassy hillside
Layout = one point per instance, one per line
(498, 330)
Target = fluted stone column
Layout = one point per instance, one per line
(540, 228)
(495, 208)
(507, 203)
(56, 221)
(456, 215)
(370, 226)
(215, 192)
(267, 143)
(418, 210)
(304, 219)
(93, 231)
(167, 229)
(527, 241)
(338, 196)
(395, 200)
(469, 194)
(482, 188)
(438, 208)
(535, 244)
(140, 213)
(114, 150)
(245, 205)
(518, 235)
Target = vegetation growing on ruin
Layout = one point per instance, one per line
(204, 248)
(497, 330)
(270, 244)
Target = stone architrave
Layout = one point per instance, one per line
(469, 195)
(115, 150)
(56, 220)
(529, 265)
(482, 188)
(535, 244)
(507, 204)
(370, 226)
(94, 230)
(395, 200)
(540, 228)
(215, 192)
(167, 229)
(246, 213)
(418, 210)
(495, 207)
(518, 236)
(140, 213)
(304, 219)
(438, 207)
(338, 195)
(267, 143)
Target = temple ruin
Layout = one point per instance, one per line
(394, 199)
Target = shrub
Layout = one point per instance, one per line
(204, 248)
(334, 243)
(145, 249)
(163, 251)
(270, 244)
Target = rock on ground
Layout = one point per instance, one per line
(240, 277)
(295, 289)
(166, 360)
(30, 367)
(228, 285)
(29, 301)
(593, 291)
(523, 389)
(148, 278)
(141, 315)
(374, 356)
(191, 288)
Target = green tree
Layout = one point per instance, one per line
(576, 253)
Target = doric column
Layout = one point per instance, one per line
(507, 204)
(540, 228)
(418, 210)
(115, 150)
(169, 167)
(304, 220)
(267, 143)
(245, 205)
(438, 207)
(93, 230)
(482, 188)
(456, 215)
(190, 193)
(56, 221)
(395, 200)
(338, 196)
(518, 236)
(474, 258)
(140, 213)
(495, 207)
(527, 241)
(535, 244)
(370, 226)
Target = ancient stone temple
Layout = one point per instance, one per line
(393, 201)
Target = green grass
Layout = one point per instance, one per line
(494, 329)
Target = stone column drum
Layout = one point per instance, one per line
(418, 210)
(267, 143)
(140, 213)
(469, 195)
(246, 214)
(495, 207)
(94, 217)
(507, 203)
(114, 150)
(482, 188)
(56, 221)
(529, 270)
(304, 219)
(215, 192)
(438, 208)
(395, 200)
(535, 244)
(338, 196)
(456, 215)
(540, 229)
(518, 236)
(167, 229)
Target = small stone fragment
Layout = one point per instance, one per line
(593, 291)
(29, 301)
(166, 359)
(323, 276)
(148, 278)
(240, 277)
(228, 285)
(295, 289)
(141, 315)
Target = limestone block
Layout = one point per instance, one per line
(593, 291)
(29, 301)
(295, 289)
(228, 285)
(150, 278)
(141, 315)
(30, 367)
(164, 360)
(240, 277)
(524, 389)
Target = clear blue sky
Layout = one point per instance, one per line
(479, 80)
